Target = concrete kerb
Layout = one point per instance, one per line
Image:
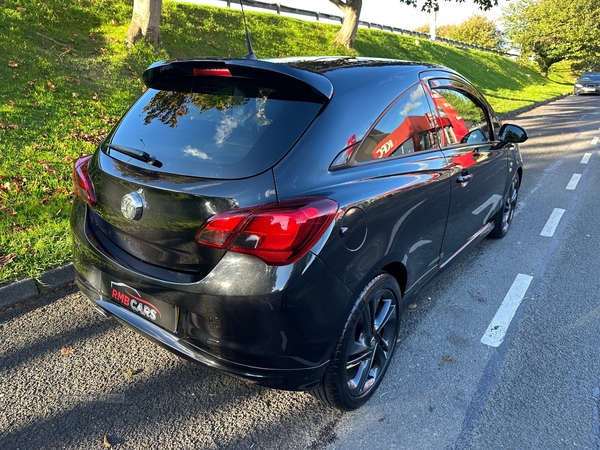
(27, 288)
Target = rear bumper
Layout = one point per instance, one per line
(276, 326)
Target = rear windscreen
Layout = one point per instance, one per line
(215, 127)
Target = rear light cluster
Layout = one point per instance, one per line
(278, 233)
(84, 188)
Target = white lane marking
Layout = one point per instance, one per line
(574, 180)
(494, 335)
(595, 140)
(586, 158)
(552, 222)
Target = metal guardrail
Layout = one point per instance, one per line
(279, 8)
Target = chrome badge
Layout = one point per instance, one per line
(132, 206)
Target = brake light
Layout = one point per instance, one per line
(211, 72)
(84, 188)
(277, 233)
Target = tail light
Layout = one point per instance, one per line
(277, 233)
(84, 188)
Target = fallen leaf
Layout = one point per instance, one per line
(381, 419)
(67, 351)
(106, 443)
(20, 9)
(9, 211)
(11, 103)
(412, 306)
(448, 358)
(7, 259)
(75, 94)
(12, 64)
(51, 85)
(129, 373)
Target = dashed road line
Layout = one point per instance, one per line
(494, 335)
(595, 140)
(586, 158)
(573, 182)
(552, 223)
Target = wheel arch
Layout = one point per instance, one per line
(398, 271)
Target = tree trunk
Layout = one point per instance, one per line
(145, 22)
(351, 10)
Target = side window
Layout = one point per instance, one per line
(461, 119)
(407, 127)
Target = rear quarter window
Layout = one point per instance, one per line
(407, 126)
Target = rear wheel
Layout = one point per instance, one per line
(503, 218)
(364, 351)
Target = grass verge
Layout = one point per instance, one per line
(66, 77)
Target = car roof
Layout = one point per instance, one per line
(325, 64)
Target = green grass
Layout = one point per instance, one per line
(66, 77)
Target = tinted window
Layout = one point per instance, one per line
(462, 120)
(407, 127)
(221, 128)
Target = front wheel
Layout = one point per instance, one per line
(503, 218)
(363, 352)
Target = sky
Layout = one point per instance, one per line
(390, 12)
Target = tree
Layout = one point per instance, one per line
(477, 30)
(555, 30)
(145, 22)
(351, 10)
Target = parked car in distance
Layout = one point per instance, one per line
(271, 218)
(587, 83)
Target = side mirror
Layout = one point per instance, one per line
(512, 134)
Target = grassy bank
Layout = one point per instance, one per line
(66, 77)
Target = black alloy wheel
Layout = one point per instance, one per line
(504, 217)
(365, 348)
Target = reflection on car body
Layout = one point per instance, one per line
(299, 204)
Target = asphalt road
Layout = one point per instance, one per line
(69, 378)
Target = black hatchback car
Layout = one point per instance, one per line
(270, 218)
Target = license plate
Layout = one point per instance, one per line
(151, 309)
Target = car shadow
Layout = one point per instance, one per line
(84, 379)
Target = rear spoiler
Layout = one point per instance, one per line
(160, 74)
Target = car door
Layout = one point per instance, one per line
(478, 170)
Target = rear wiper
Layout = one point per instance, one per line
(137, 154)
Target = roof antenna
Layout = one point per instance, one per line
(250, 54)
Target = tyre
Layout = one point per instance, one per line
(503, 218)
(364, 350)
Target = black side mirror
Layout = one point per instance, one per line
(512, 134)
